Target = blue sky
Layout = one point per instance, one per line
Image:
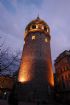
(16, 14)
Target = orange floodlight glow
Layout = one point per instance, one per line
(24, 72)
(50, 75)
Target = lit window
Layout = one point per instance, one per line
(46, 40)
(33, 37)
(47, 30)
(36, 26)
(43, 27)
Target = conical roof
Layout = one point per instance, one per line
(37, 25)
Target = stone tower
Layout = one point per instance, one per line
(35, 73)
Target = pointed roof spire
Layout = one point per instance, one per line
(38, 17)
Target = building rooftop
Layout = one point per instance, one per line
(62, 55)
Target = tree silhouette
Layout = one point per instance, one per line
(9, 61)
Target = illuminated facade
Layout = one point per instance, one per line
(36, 66)
(62, 69)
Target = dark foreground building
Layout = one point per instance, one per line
(62, 76)
(6, 85)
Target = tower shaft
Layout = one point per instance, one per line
(35, 73)
(36, 60)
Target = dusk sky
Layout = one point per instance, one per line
(16, 14)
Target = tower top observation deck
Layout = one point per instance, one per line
(37, 25)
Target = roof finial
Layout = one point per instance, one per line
(38, 17)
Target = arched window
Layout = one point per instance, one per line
(33, 26)
(46, 40)
(36, 26)
(33, 37)
(45, 28)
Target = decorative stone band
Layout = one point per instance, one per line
(36, 30)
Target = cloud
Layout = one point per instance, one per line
(37, 3)
(8, 40)
(8, 5)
